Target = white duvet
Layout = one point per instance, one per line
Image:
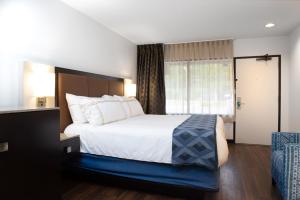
(144, 138)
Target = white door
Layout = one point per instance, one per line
(257, 94)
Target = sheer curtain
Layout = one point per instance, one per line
(176, 87)
(204, 86)
(211, 87)
(199, 77)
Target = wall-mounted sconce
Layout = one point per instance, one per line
(130, 88)
(40, 84)
(44, 86)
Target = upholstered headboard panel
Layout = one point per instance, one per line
(83, 84)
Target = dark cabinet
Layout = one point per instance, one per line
(4, 177)
(30, 156)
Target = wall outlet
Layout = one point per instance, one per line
(68, 149)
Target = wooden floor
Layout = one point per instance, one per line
(246, 176)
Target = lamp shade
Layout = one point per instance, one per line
(44, 85)
(43, 80)
(130, 90)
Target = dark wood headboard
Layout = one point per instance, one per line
(83, 84)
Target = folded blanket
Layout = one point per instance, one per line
(194, 142)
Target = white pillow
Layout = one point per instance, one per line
(93, 114)
(122, 98)
(124, 102)
(135, 107)
(125, 108)
(111, 111)
(75, 104)
(108, 97)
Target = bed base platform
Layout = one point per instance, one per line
(185, 181)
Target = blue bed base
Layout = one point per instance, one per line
(193, 177)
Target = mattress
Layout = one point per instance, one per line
(142, 138)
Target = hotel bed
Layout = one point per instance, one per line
(144, 138)
(142, 148)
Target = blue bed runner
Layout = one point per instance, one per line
(186, 176)
(194, 142)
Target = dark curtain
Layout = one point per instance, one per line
(150, 78)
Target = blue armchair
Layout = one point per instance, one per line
(286, 164)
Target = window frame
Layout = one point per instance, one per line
(188, 92)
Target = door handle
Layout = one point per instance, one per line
(3, 147)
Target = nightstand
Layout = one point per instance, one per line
(69, 148)
(69, 145)
(29, 152)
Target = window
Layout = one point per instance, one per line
(203, 87)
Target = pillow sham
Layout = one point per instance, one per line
(125, 108)
(124, 103)
(108, 97)
(75, 104)
(131, 105)
(122, 98)
(111, 110)
(93, 114)
(135, 107)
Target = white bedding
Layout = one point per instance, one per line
(144, 138)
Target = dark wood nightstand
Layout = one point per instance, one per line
(69, 145)
(69, 148)
(29, 152)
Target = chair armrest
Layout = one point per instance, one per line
(279, 139)
(291, 171)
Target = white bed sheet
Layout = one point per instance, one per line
(144, 138)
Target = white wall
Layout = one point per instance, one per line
(270, 45)
(52, 33)
(295, 81)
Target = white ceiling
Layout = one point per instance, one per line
(173, 21)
